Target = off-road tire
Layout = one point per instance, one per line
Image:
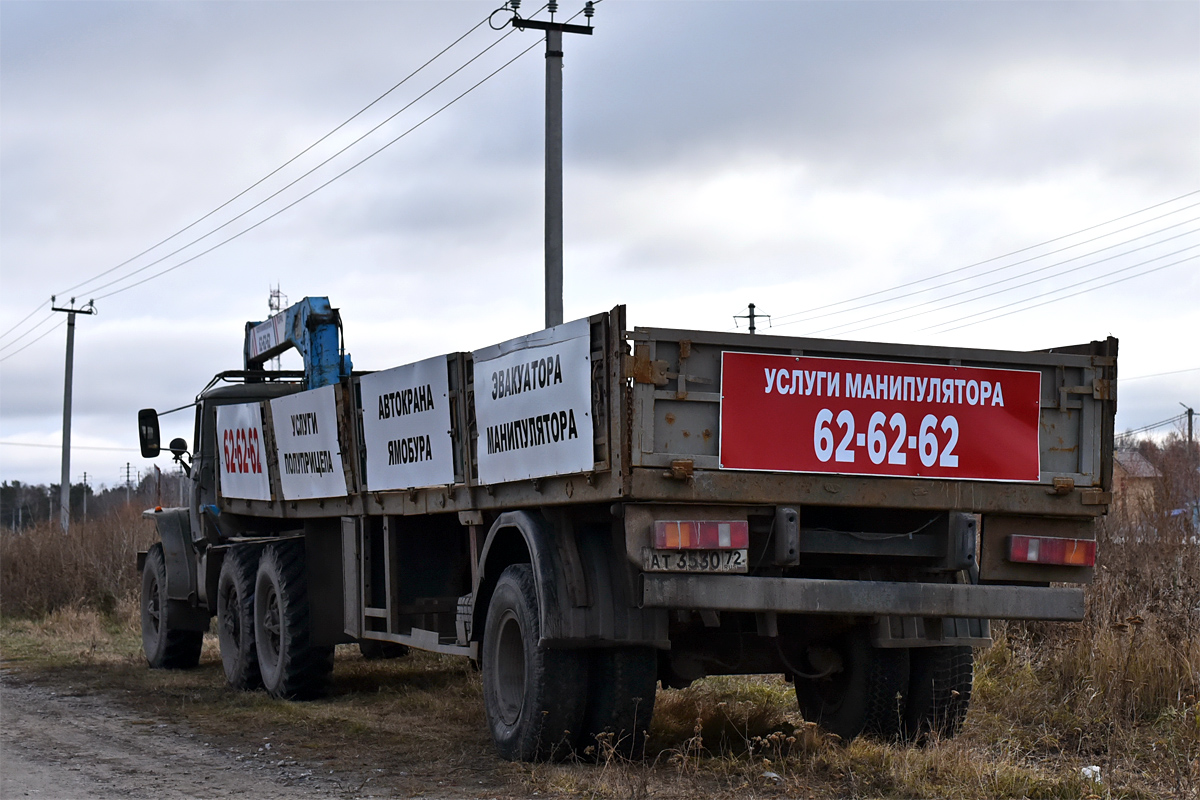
(939, 692)
(291, 666)
(534, 696)
(165, 648)
(865, 696)
(235, 618)
(373, 649)
(621, 689)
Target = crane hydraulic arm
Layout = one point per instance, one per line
(312, 327)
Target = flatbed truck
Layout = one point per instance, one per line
(590, 511)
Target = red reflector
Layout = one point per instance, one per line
(701, 535)
(1049, 550)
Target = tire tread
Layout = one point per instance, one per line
(303, 670)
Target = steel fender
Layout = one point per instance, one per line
(174, 529)
(184, 611)
(586, 594)
(548, 573)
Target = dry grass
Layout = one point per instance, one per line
(1118, 690)
(43, 570)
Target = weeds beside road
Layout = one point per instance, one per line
(1117, 691)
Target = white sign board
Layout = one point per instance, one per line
(406, 424)
(306, 439)
(242, 463)
(267, 335)
(533, 405)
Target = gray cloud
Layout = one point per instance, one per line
(716, 153)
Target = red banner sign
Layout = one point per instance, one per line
(800, 414)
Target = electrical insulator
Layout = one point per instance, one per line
(514, 4)
(552, 6)
(589, 8)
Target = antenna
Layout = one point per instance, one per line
(277, 302)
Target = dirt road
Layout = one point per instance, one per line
(63, 745)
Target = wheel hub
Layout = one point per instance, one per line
(510, 669)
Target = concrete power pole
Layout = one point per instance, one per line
(65, 488)
(554, 193)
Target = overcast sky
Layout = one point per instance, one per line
(792, 155)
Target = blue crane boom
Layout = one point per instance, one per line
(312, 327)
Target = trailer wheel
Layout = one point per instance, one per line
(621, 689)
(235, 618)
(534, 696)
(291, 667)
(939, 691)
(866, 695)
(165, 648)
(373, 649)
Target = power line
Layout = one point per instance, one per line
(285, 164)
(34, 341)
(1018, 252)
(1160, 374)
(265, 178)
(1010, 278)
(1017, 286)
(1066, 296)
(23, 319)
(323, 185)
(36, 325)
(287, 186)
(73, 447)
(1152, 426)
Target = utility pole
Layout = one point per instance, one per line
(128, 471)
(65, 488)
(554, 193)
(751, 316)
(85, 494)
(1190, 413)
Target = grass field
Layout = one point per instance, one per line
(1117, 691)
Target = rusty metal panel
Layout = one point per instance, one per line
(677, 409)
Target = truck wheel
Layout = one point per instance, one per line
(866, 695)
(621, 690)
(291, 667)
(235, 618)
(165, 648)
(373, 649)
(939, 691)
(534, 696)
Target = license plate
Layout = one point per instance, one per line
(694, 560)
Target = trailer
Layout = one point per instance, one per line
(590, 511)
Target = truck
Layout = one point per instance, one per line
(590, 511)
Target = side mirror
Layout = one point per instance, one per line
(148, 432)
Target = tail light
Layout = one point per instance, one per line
(701, 535)
(1048, 550)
